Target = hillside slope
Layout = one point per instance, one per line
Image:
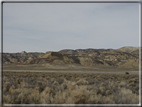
(15, 58)
(54, 58)
(84, 57)
(128, 49)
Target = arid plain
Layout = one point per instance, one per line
(83, 76)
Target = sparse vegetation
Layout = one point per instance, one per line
(82, 76)
(69, 88)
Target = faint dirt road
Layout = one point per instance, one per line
(77, 71)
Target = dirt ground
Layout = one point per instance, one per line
(68, 68)
(78, 71)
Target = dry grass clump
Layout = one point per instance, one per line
(51, 88)
(125, 96)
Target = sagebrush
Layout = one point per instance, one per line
(69, 88)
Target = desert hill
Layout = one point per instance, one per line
(108, 58)
(9, 58)
(123, 57)
(82, 51)
(128, 49)
(55, 58)
(87, 51)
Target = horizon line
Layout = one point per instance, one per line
(74, 49)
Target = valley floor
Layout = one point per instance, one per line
(77, 71)
(67, 68)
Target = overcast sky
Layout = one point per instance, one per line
(42, 27)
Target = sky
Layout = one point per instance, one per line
(42, 27)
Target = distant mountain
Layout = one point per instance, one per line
(82, 51)
(87, 51)
(125, 57)
(128, 49)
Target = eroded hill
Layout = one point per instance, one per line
(17, 58)
(84, 57)
(55, 58)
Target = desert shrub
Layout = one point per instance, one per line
(23, 96)
(60, 80)
(95, 99)
(5, 79)
(82, 82)
(90, 81)
(125, 96)
(77, 79)
(77, 89)
(11, 89)
(59, 98)
(101, 90)
(7, 99)
(91, 87)
(46, 97)
(127, 73)
(34, 97)
(122, 84)
(108, 92)
(24, 84)
(64, 86)
(107, 100)
(112, 86)
(17, 81)
(51, 80)
(6, 86)
(71, 85)
(80, 95)
(55, 83)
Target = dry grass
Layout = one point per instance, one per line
(69, 88)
